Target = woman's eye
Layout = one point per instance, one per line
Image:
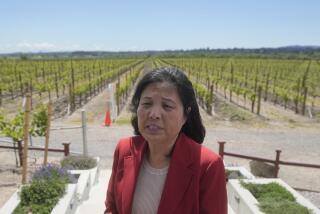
(146, 104)
(167, 107)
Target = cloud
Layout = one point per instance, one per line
(26, 46)
(41, 46)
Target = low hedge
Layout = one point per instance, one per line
(78, 162)
(40, 196)
(47, 186)
(275, 199)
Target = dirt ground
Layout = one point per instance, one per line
(11, 176)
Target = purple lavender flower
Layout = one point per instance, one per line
(53, 171)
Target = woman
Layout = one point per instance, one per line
(164, 168)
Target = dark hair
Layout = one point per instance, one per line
(193, 127)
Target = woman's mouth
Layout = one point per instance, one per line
(153, 127)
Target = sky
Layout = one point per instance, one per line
(138, 25)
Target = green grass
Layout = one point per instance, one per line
(275, 199)
(123, 121)
(232, 113)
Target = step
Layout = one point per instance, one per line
(230, 210)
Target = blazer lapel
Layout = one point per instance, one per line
(132, 163)
(128, 183)
(179, 178)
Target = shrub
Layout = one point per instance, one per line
(78, 162)
(275, 199)
(42, 192)
(274, 206)
(40, 196)
(47, 186)
(234, 174)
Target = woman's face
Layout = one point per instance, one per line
(160, 113)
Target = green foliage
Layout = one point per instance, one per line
(2, 123)
(13, 128)
(42, 192)
(125, 85)
(35, 208)
(24, 57)
(284, 81)
(273, 206)
(78, 162)
(275, 199)
(252, 97)
(123, 121)
(39, 121)
(266, 190)
(234, 174)
(41, 196)
(47, 186)
(53, 172)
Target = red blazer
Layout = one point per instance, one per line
(195, 181)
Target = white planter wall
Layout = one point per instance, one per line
(66, 205)
(11, 204)
(86, 180)
(243, 202)
(75, 193)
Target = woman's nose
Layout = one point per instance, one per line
(154, 113)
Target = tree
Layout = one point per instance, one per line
(14, 128)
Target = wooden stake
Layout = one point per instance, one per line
(259, 99)
(47, 134)
(26, 137)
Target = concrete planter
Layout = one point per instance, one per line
(83, 184)
(12, 203)
(242, 171)
(243, 202)
(75, 193)
(66, 205)
(87, 178)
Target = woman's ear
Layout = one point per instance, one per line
(188, 110)
(187, 114)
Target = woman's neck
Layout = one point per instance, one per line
(159, 155)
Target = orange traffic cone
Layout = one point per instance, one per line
(107, 119)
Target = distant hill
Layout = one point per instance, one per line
(286, 52)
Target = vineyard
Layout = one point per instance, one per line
(292, 84)
(67, 83)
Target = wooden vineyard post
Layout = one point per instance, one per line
(209, 102)
(221, 148)
(20, 152)
(45, 159)
(276, 165)
(25, 138)
(259, 99)
(1, 95)
(305, 92)
(66, 148)
(118, 97)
